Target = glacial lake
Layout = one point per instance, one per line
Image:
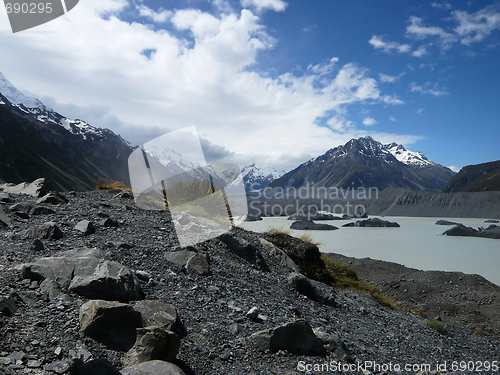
(418, 243)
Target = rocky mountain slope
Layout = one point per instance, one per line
(430, 292)
(479, 177)
(39, 142)
(234, 304)
(365, 162)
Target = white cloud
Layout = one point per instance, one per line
(419, 111)
(369, 121)
(378, 43)
(158, 17)
(418, 31)
(421, 51)
(454, 169)
(385, 78)
(259, 5)
(477, 26)
(444, 5)
(392, 119)
(427, 89)
(92, 65)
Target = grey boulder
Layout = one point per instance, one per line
(153, 343)
(295, 337)
(110, 281)
(153, 368)
(113, 324)
(48, 230)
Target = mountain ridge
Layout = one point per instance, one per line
(477, 177)
(39, 142)
(365, 162)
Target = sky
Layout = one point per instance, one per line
(271, 81)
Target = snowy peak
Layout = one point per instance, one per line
(253, 171)
(16, 97)
(257, 178)
(408, 157)
(42, 113)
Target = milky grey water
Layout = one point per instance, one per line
(418, 243)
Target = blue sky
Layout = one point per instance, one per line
(271, 81)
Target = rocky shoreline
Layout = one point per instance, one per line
(235, 304)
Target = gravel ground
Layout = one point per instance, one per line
(211, 308)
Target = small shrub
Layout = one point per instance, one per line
(278, 230)
(438, 326)
(419, 313)
(113, 185)
(307, 238)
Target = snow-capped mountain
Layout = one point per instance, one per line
(41, 112)
(408, 157)
(257, 178)
(365, 162)
(39, 142)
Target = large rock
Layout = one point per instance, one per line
(86, 227)
(85, 272)
(99, 366)
(34, 188)
(157, 313)
(42, 210)
(53, 198)
(311, 225)
(48, 230)
(446, 222)
(153, 368)
(22, 207)
(374, 223)
(461, 230)
(198, 265)
(296, 337)
(245, 250)
(311, 290)
(317, 216)
(110, 281)
(4, 219)
(493, 231)
(62, 268)
(194, 263)
(113, 324)
(279, 254)
(153, 343)
(7, 306)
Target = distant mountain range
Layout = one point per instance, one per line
(36, 141)
(479, 177)
(365, 162)
(39, 142)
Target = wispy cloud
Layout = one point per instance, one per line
(417, 30)
(443, 5)
(260, 5)
(378, 43)
(429, 89)
(391, 118)
(156, 16)
(477, 26)
(385, 78)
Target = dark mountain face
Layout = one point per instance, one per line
(479, 177)
(365, 162)
(34, 145)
